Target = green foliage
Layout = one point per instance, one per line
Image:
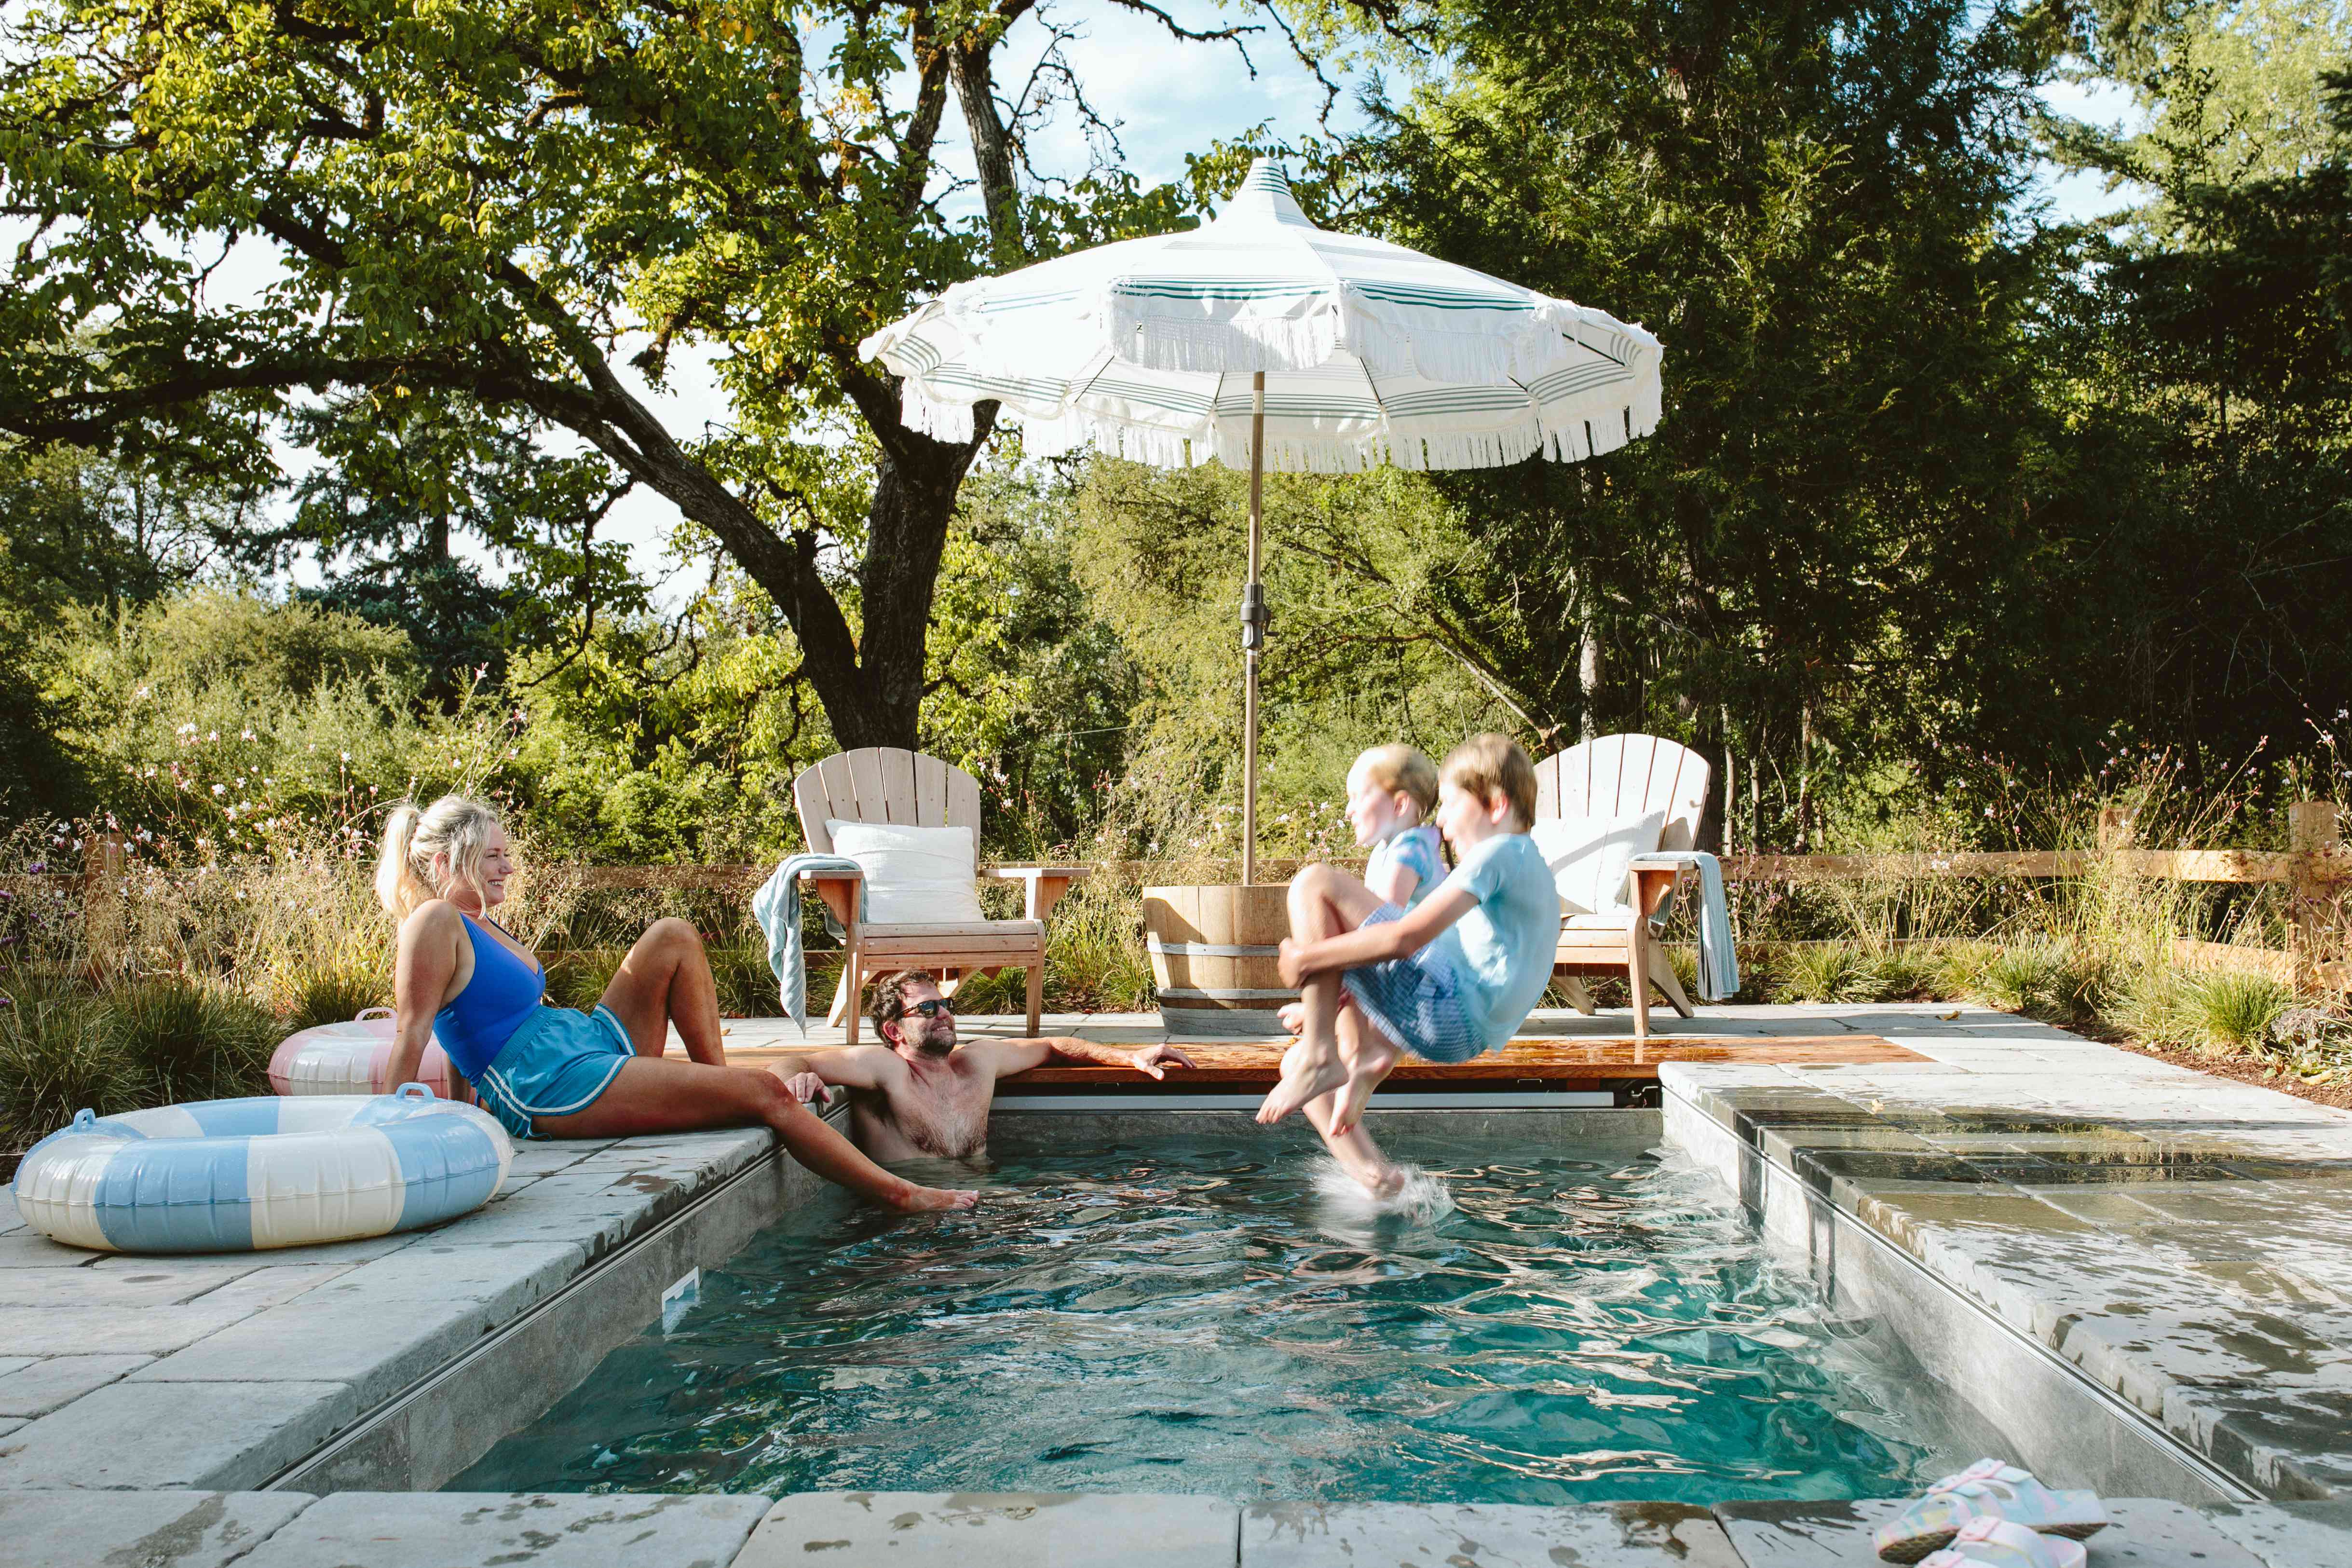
(1828, 972)
(193, 1039)
(311, 995)
(2237, 1010)
(57, 1056)
(1373, 641)
(220, 718)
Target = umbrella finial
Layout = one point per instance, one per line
(1264, 196)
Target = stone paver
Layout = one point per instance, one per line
(223, 1436)
(140, 1530)
(219, 1370)
(993, 1529)
(2289, 1535)
(478, 1530)
(1408, 1535)
(2144, 1532)
(39, 1388)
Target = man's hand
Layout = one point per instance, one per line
(808, 1088)
(1157, 1059)
(1291, 964)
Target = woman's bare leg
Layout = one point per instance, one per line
(1324, 902)
(650, 1095)
(667, 980)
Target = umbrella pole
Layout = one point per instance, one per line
(1253, 631)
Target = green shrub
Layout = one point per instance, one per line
(309, 995)
(2236, 1011)
(1827, 972)
(2019, 979)
(190, 1039)
(746, 986)
(576, 979)
(58, 1055)
(1959, 969)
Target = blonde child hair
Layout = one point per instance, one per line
(452, 829)
(1402, 767)
(1490, 764)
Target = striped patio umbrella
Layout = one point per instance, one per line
(1259, 339)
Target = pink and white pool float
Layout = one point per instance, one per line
(355, 1057)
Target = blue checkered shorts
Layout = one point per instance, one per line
(1416, 1000)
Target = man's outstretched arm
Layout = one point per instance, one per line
(1009, 1056)
(859, 1067)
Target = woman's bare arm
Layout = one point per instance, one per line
(424, 973)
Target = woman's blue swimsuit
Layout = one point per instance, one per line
(523, 1059)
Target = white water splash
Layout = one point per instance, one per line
(1422, 1200)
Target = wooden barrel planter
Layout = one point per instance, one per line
(1213, 952)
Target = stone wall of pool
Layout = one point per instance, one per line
(2138, 1274)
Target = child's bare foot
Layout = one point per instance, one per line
(1294, 1016)
(1363, 1077)
(923, 1200)
(1306, 1073)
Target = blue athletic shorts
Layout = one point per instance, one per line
(558, 1062)
(1416, 1000)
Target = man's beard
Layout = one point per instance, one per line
(937, 1044)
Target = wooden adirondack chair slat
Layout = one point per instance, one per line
(930, 791)
(898, 769)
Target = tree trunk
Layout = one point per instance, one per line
(906, 533)
(1589, 679)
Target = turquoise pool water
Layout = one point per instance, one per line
(1206, 1315)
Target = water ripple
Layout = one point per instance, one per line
(1175, 1317)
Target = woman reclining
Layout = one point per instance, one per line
(556, 1072)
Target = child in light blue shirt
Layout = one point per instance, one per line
(1448, 979)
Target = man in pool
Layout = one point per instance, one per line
(918, 1095)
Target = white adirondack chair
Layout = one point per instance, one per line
(1612, 777)
(886, 784)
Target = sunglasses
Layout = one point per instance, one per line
(930, 1007)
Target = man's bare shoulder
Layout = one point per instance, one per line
(874, 1065)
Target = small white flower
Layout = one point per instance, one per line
(140, 692)
(347, 756)
(214, 735)
(220, 789)
(185, 730)
(245, 735)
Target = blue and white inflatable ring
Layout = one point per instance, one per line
(234, 1175)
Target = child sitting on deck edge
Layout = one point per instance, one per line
(1448, 980)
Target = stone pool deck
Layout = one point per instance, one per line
(2178, 1238)
(910, 1530)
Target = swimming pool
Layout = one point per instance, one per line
(1581, 1322)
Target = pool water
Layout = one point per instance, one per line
(1226, 1316)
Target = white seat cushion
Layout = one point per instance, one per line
(1587, 856)
(913, 875)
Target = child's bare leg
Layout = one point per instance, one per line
(1311, 1068)
(1324, 902)
(1370, 1057)
(1354, 1150)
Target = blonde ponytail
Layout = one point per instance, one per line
(452, 830)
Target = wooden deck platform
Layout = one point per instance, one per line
(1230, 1066)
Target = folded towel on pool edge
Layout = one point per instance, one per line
(1718, 964)
(777, 907)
